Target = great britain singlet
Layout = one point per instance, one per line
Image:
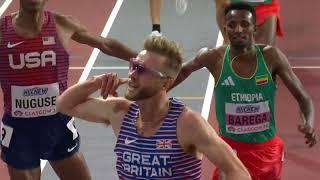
(157, 157)
(33, 71)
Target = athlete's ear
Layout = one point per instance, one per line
(224, 29)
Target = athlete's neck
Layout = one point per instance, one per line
(154, 109)
(31, 21)
(245, 52)
(236, 51)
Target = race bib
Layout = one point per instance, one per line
(253, 2)
(34, 101)
(6, 134)
(247, 118)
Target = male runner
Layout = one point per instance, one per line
(245, 92)
(157, 137)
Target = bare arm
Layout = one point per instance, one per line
(204, 139)
(220, 7)
(76, 100)
(189, 67)
(80, 34)
(294, 85)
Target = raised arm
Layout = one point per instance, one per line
(220, 7)
(205, 140)
(76, 100)
(294, 85)
(80, 33)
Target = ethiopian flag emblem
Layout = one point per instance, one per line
(263, 79)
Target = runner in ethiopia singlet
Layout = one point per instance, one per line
(245, 111)
(33, 72)
(245, 106)
(157, 157)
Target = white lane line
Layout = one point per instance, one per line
(311, 58)
(4, 6)
(305, 67)
(210, 87)
(95, 52)
(104, 33)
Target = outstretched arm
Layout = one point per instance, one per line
(292, 82)
(204, 139)
(189, 67)
(220, 7)
(80, 34)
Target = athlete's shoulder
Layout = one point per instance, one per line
(189, 118)
(211, 53)
(119, 103)
(270, 51)
(67, 21)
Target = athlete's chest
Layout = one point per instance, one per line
(243, 68)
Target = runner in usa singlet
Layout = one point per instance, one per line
(33, 70)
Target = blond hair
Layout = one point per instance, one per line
(168, 49)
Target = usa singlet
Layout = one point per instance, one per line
(33, 71)
(159, 156)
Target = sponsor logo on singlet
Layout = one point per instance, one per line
(34, 101)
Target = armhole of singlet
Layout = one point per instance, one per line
(52, 26)
(223, 65)
(132, 107)
(261, 55)
(50, 23)
(4, 24)
(2, 27)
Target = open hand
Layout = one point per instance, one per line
(309, 134)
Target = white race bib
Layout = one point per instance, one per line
(247, 118)
(34, 101)
(6, 134)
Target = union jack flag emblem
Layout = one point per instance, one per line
(164, 144)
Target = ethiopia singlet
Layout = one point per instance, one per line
(245, 106)
(157, 157)
(33, 71)
(253, 2)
